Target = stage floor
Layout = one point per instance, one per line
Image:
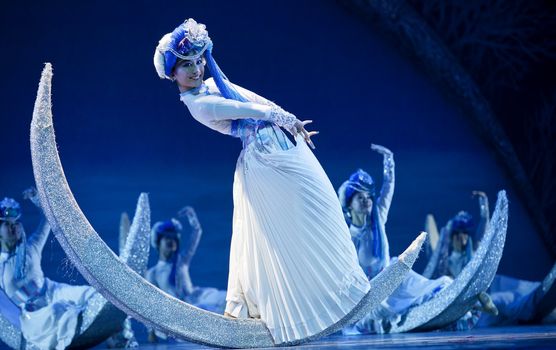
(522, 337)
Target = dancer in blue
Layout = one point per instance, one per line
(49, 311)
(171, 272)
(292, 263)
(366, 214)
(516, 300)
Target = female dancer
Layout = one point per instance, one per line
(366, 214)
(516, 300)
(292, 263)
(171, 272)
(49, 310)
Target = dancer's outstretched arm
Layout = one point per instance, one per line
(184, 284)
(188, 252)
(210, 109)
(386, 192)
(38, 239)
(388, 181)
(484, 214)
(433, 235)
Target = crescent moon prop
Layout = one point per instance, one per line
(100, 319)
(128, 290)
(455, 300)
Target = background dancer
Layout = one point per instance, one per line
(171, 273)
(366, 214)
(49, 310)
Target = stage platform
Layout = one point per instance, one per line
(522, 337)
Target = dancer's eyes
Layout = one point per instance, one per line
(188, 64)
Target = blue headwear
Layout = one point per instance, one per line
(168, 228)
(361, 181)
(10, 210)
(190, 41)
(463, 221)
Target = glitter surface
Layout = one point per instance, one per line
(128, 290)
(100, 318)
(455, 300)
(9, 334)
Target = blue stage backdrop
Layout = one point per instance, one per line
(122, 131)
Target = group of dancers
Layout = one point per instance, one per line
(302, 254)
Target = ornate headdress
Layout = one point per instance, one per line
(10, 210)
(359, 181)
(188, 41)
(169, 228)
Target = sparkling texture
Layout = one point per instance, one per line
(101, 319)
(282, 118)
(9, 334)
(455, 300)
(127, 289)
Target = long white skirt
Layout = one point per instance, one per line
(292, 262)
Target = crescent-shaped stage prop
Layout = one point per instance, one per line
(455, 300)
(10, 333)
(128, 290)
(100, 319)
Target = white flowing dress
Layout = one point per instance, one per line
(292, 262)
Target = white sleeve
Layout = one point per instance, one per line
(214, 108)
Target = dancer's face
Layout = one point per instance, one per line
(10, 234)
(189, 73)
(459, 240)
(361, 203)
(167, 247)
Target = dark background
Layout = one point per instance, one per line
(122, 131)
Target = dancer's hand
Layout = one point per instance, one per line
(483, 202)
(381, 149)
(299, 128)
(32, 195)
(189, 213)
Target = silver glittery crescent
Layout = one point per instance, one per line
(455, 300)
(127, 289)
(100, 319)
